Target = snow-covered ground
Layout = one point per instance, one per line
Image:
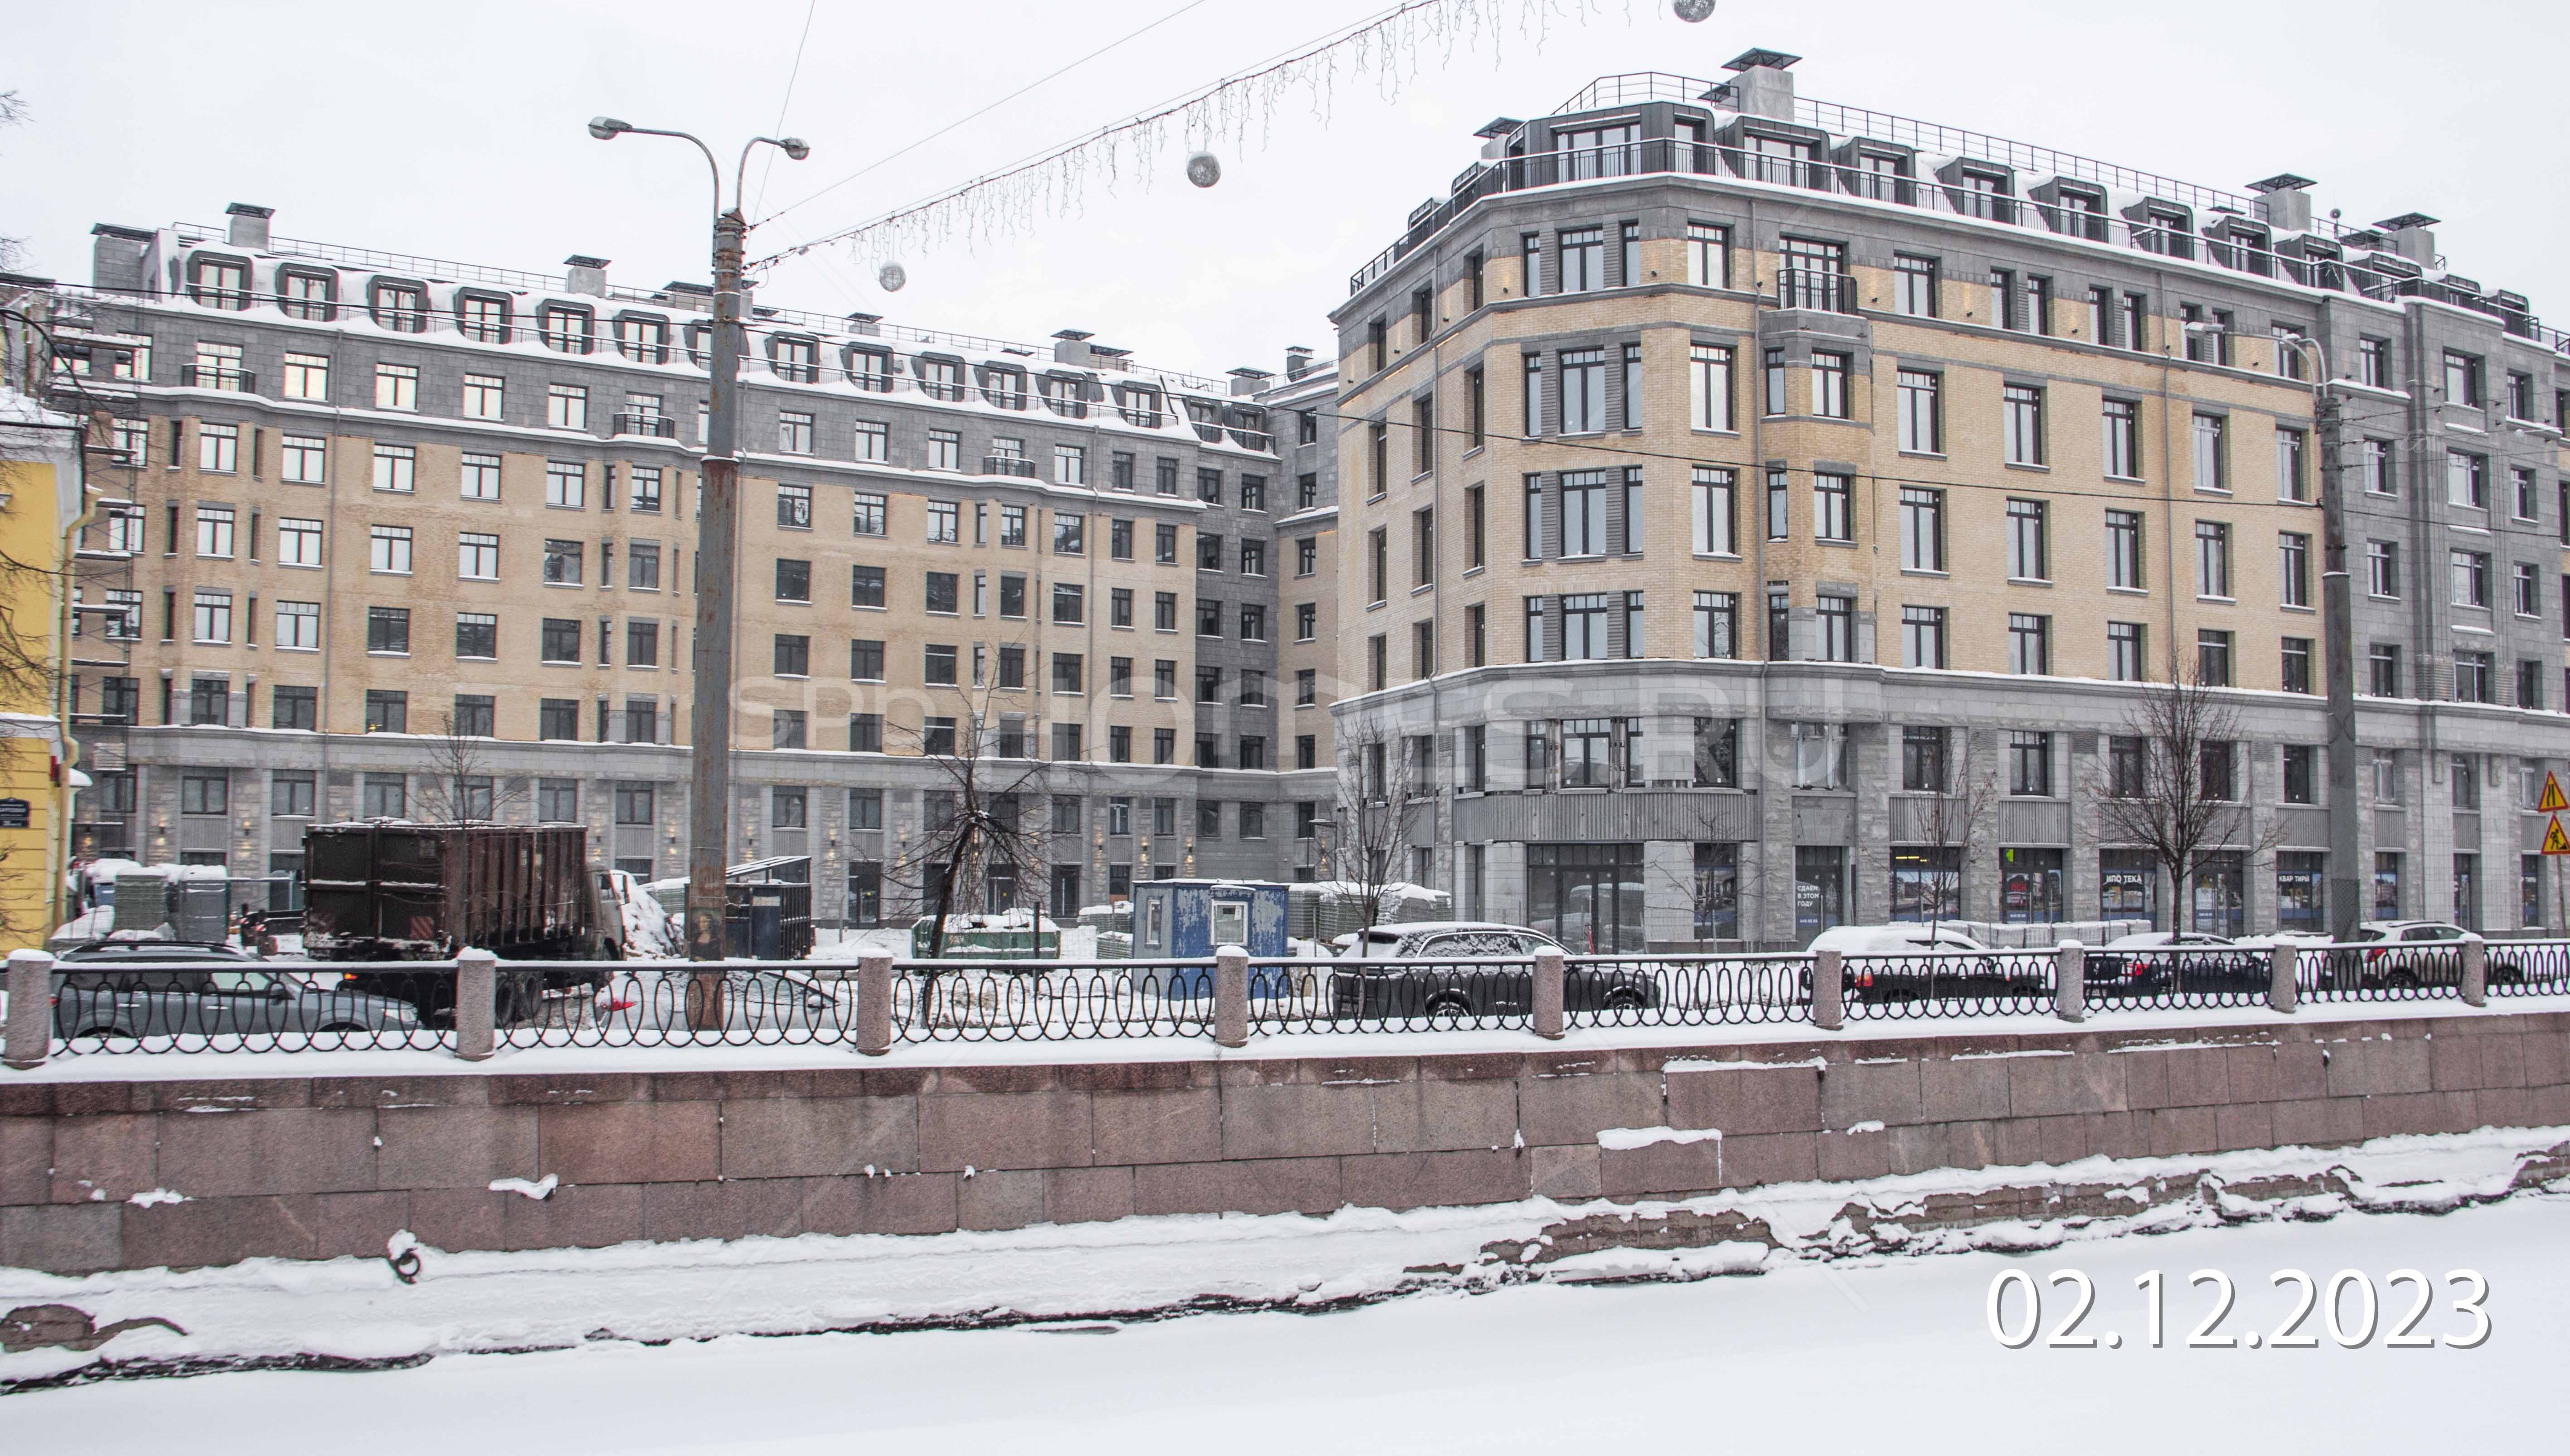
(1891, 1355)
(1869, 1347)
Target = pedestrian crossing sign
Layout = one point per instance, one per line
(2554, 840)
(2552, 801)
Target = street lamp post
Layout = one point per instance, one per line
(718, 509)
(2338, 631)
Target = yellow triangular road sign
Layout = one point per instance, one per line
(2554, 840)
(2552, 801)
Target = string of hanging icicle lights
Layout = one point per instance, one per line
(1240, 110)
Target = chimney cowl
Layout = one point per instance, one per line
(249, 227)
(584, 274)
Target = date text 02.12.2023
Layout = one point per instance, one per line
(2346, 1306)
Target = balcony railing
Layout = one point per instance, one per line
(1815, 289)
(1008, 464)
(662, 426)
(201, 376)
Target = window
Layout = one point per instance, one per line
(477, 635)
(1583, 514)
(2462, 379)
(1833, 507)
(388, 629)
(1584, 391)
(2213, 657)
(566, 483)
(1714, 512)
(2122, 421)
(2529, 591)
(1717, 625)
(2029, 544)
(1066, 672)
(1835, 617)
(937, 664)
(2030, 764)
(795, 508)
(642, 643)
(1709, 386)
(2374, 362)
(2023, 421)
(1584, 621)
(2294, 568)
(1923, 636)
(1830, 385)
(793, 579)
(1820, 755)
(1773, 369)
(387, 711)
(943, 523)
(1779, 517)
(2466, 480)
(2473, 678)
(869, 518)
(1921, 415)
(566, 407)
(484, 396)
(2124, 653)
(218, 448)
(215, 531)
(562, 565)
(1069, 537)
(1307, 621)
(289, 795)
(477, 555)
(2124, 549)
(396, 468)
(298, 626)
(561, 639)
(2468, 572)
(2029, 644)
(388, 549)
(2528, 505)
(2290, 482)
(2211, 459)
(2294, 674)
(1914, 285)
(2382, 569)
(1581, 259)
(2213, 559)
(2217, 771)
(2383, 667)
(302, 459)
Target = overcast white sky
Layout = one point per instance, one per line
(455, 130)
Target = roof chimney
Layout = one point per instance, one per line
(1071, 346)
(250, 225)
(2282, 203)
(1765, 87)
(1246, 380)
(586, 275)
(865, 326)
(2410, 237)
(1298, 360)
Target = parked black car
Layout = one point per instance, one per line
(1428, 972)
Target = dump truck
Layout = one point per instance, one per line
(388, 892)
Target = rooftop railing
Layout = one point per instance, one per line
(2244, 251)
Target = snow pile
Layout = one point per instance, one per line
(357, 1308)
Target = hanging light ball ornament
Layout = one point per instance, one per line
(1204, 169)
(1692, 11)
(892, 276)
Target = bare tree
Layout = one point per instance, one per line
(990, 823)
(2182, 797)
(13, 250)
(1952, 820)
(461, 787)
(1378, 791)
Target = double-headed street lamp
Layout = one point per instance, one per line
(718, 503)
(2338, 631)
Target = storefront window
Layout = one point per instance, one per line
(1928, 883)
(2300, 878)
(1717, 892)
(2030, 887)
(1587, 896)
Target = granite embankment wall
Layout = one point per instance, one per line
(335, 1162)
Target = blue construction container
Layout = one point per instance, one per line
(1187, 920)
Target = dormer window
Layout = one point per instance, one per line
(307, 294)
(2164, 229)
(1006, 388)
(870, 370)
(795, 360)
(565, 330)
(1882, 176)
(1064, 395)
(1138, 406)
(1985, 194)
(399, 306)
(700, 344)
(1249, 430)
(643, 339)
(1206, 417)
(941, 379)
(481, 317)
(218, 283)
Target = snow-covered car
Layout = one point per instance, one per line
(126, 988)
(1919, 962)
(2175, 962)
(1426, 970)
(2402, 955)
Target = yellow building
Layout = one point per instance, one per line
(40, 503)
